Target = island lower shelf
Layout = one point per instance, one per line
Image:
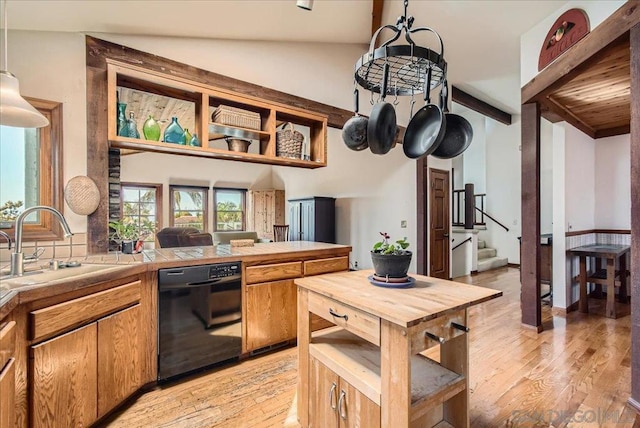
(359, 363)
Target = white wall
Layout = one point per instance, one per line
(503, 165)
(612, 186)
(531, 42)
(579, 171)
(561, 272)
(546, 176)
(475, 157)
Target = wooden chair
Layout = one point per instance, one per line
(280, 232)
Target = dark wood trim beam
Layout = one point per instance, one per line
(530, 258)
(610, 132)
(376, 15)
(421, 216)
(98, 50)
(635, 215)
(587, 231)
(561, 70)
(555, 107)
(469, 101)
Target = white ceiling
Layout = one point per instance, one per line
(482, 38)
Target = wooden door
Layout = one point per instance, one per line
(324, 390)
(63, 373)
(8, 394)
(357, 411)
(271, 313)
(439, 223)
(119, 357)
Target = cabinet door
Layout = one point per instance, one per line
(307, 220)
(294, 221)
(8, 394)
(356, 410)
(271, 313)
(119, 357)
(63, 373)
(324, 390)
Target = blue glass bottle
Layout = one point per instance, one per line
(121, 123)
(195, 142)
(174, 132)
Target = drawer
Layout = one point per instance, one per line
(358, 322)
(440, 327)
(274, 272)
(7, 342)
(333, 264)
(65, 316)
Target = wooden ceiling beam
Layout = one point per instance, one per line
(376, 15)
(469, 101)
(557, 108)
(577, 58)
(611, 132)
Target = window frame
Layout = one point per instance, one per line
(51, 175)
(205, 203)
(243, 206)
(157, 187)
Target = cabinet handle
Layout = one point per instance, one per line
(332, 396)
(460, 327)
(342, 404)
(335, 314)
(434, 337)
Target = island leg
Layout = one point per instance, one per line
(454, 355)
(611, 287)
(584, 303)
(622, 296)
(304, 333)
(395, 371)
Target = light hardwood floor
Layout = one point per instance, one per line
(576, 373)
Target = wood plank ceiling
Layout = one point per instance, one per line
(597, 99)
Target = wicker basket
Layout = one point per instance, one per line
(289, 143)
(232, 116)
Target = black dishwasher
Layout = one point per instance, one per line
(199, 317)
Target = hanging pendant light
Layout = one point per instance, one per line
(15, 110)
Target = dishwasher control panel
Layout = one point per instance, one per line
(223, 270)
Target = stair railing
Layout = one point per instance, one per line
(484, 214)
(463, 242)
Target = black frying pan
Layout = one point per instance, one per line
(354, 131)
(426, 128)
(458, 134)
(382, 127)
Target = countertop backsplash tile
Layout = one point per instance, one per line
(74, 246)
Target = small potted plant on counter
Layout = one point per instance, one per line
(391, 260)
(130, 234)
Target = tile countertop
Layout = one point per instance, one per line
(101, 267)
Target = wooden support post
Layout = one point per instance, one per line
(395, 370)
(611, 287)
(634, 266)
(469, 206)
(304, 335)
(530, 263)
(584, 297)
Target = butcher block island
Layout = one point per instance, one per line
(371, 369)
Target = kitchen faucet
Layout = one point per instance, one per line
(17, 258)
(6, 236)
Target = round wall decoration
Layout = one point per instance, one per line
(82, 195)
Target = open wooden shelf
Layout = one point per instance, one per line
(358, 362)
(163, 96)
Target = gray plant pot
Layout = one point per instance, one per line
(393, 266)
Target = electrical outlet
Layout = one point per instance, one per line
(355, 264)
(403, 223)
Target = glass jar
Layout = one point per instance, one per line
(174, 132)
(151, 129)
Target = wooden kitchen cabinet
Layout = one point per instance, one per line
(7, 374)
(119, 358)
(264, 209)
(78, 376)
(271, 313)
(336, 403)
(195, 103)
(64, 371)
